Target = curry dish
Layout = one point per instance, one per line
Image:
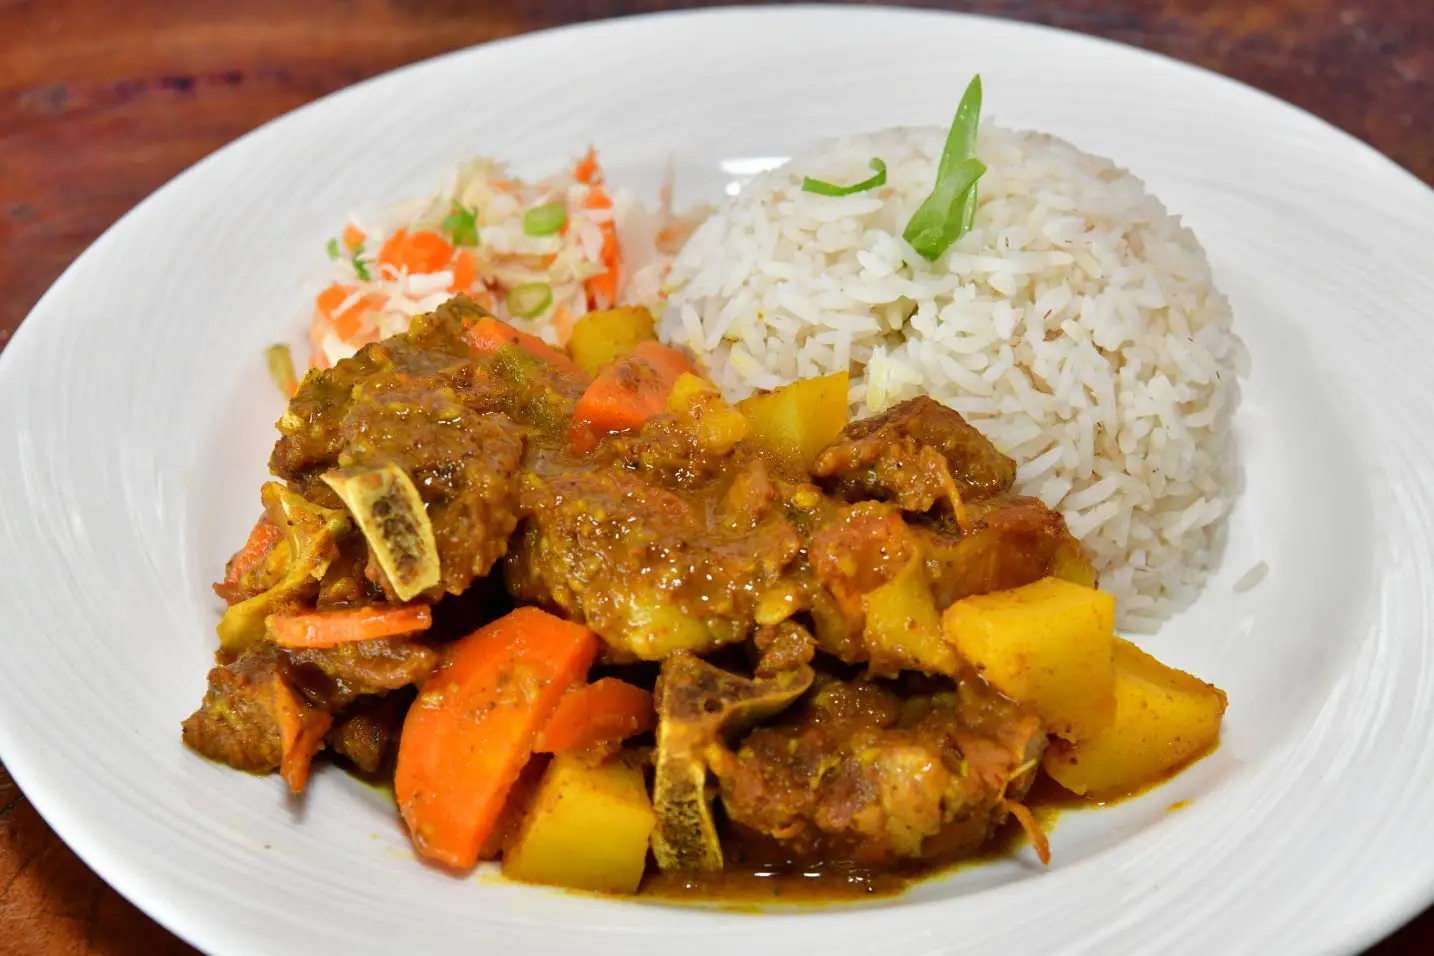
(594, 620)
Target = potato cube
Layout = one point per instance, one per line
(801, 419)
(697, 403)
(1047, 644)
(588, 828)
(1164, 718)
(903, 626)
(600, 338)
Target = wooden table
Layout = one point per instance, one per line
(100, 103)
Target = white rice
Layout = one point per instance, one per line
(1076, 325)
(1252, 578)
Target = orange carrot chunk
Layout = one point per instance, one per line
(263, 539)
(302, 727)
(465, 271)
(331, 298)
(471, 730)
(607, 710)
(418, 252)
(631, 390)
(353, 237)
(488, 335)
(347, 625)
(515, 808)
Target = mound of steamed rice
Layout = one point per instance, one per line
(1076, 325)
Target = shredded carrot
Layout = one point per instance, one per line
(587, 170)
(628, 392)
(353, 237)
(602, 288)
(607, 710)
(419, 252)
(346, 626)
(470, 732)
(1028, 822)
(465, 271)
(333, 297)
(345, 324)
(488, 335)
(563, 322)
(301, 733)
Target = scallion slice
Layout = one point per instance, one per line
(529, 300)
(546, 219)
(461, 224)
(941, 219)
(822, 188)
(950, 210)
(360, 264)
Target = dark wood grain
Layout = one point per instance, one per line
(102, 102)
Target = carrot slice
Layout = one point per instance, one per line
(470, 732)
(419, 252)
(353, 237)
(591, 714)
(628, 392)
(488, 335)
(515, 808)
(465, 271)
(346, 626)
(264, 537)
(301, 733)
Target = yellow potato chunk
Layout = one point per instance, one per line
(1164, 718)
(588, 828)
(600, 338)
(903, 627)
(698, 404)
(800, 419)
(1047, 644)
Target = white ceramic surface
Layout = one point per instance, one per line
(135, 420)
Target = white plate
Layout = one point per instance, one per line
(135, 422)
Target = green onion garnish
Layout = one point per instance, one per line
(546, 219)
(526, 301)
(950, 210)
(462, 225)
(941, 219)
(333, 248)
(360, 266)
(821, 188)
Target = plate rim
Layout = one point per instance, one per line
(86, 837)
